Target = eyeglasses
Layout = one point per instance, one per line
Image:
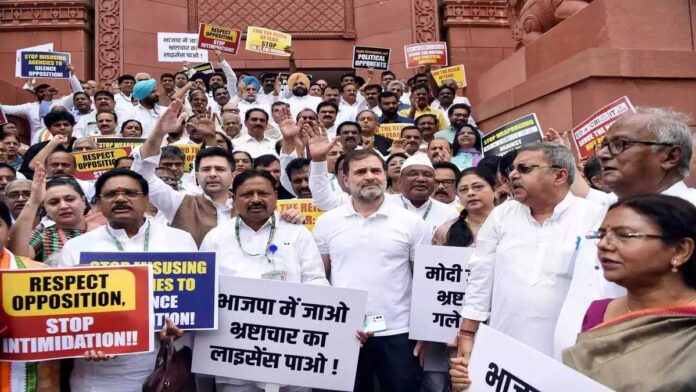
(114, 194)
(620, 235)
(476, 188)
(617, 146)
(14, 195)
(526, 169)
(445, 183)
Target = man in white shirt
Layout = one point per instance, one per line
(353, 258)
(644, 152)
(255, 142)
(122, 198)
(104, 101)
(148, 112)
(526, 250)
(446, 174)
(125, 86)
(299, 85)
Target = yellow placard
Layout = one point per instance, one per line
(89, 165)
(47, 293)
(456, 73)
(190, 151)
(392, 131)
(261, 40)
(306, 208)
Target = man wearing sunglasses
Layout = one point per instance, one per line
(525, 253)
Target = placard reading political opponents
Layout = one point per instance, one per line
(218, 38)
(117, 142)
(310, 212)
(591, 132)
(500, 363)
(512, 135)
(283, 333)
(433, 53)
(440, 274)
(366, 57)
(48, 65)
(90, 165)
(261, 40)
(455, 73)
(178, 47)
(190, 151)
(391, 131)
(63, 312)
(185, 284)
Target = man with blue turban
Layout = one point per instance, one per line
(250, 96)
(148, 111)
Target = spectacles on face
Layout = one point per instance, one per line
(14, 195)
(446, 183)
(617, 146)
(613, 236)
(476, 188)
(526, 169)
(108, 196)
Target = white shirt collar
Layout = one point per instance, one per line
(121, 234)
(381, 211)
(558, 209)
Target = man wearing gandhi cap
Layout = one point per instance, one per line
(417, 187)
(148, 112)
(298, 83)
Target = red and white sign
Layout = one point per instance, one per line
(218, 38)
(431, 53)
(591, 131)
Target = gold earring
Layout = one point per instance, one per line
(674, 266)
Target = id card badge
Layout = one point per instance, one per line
(375, 323)
(274, 275)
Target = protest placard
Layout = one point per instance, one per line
(440, 274)
(18, 55)
(47, 65)
(283, 333)
(202, 68)
(310, 212)
(190, 151)
(590, 132)
(117, 142)
(500, 363)
(512, 135)
(178, 47)
(366, 57)
(218, 38)
(89, 165)
(433, 53)
(185, 284)
(392, 131)
(261, 40)
(455, 73)
(63, 312)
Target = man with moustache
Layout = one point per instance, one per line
(221, 96)
(298, 174)
(60, 125)
(271, 165)
(446, 175)
(525, 252)
(299, 100)
(103, 102)
(389, 105)
(168, 88)
(17, 195)
(82, 104)
(255, 142)
(232, 125)
(327, 112)
(106, 123)
(459, 114)
(250, 97)
(420, 94)
(268, 80)
(439, 150)
(349, 133)
(371, 93)
(412, 139)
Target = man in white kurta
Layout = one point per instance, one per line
(122, 200)
(257, 244)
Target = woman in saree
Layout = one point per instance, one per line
(646, 340)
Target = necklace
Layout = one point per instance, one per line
(631, 310)
(268, 244)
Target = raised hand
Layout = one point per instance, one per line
(206, 124)
(398, 145)
(318, 141)
(38, 185)
(288, 128)
(171, 119)
(58, 139)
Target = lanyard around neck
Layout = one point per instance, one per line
(427, 210)
(268, 244)
(118, 244)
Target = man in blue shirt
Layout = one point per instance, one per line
(389, 104)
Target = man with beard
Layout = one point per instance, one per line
(327, 112)
(17, 195)
(299, 85)
(242, 248)
(458, 117)
(268, 80)
(255, 142)
(271, 164)
(420, 94)
(221, 96)
(368, 128)
(389, 105)
(439, 150)
(148, 112)
(446, 97)
(103, 102)
(412, 139)
(106, 123)
(250, 98)
(332, 94)
(346, 240)
(446, 175)
(349, 132)
(82, 104)
(298, 174)
(196, 214)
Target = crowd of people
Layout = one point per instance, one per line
(589, 262)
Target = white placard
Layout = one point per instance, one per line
(178, 47)
(439, 282)
(500, 363)
(283, 333)
(18, 57)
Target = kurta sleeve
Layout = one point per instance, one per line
(477, 303)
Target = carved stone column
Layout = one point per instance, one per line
(426, 19)
(108, 41)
